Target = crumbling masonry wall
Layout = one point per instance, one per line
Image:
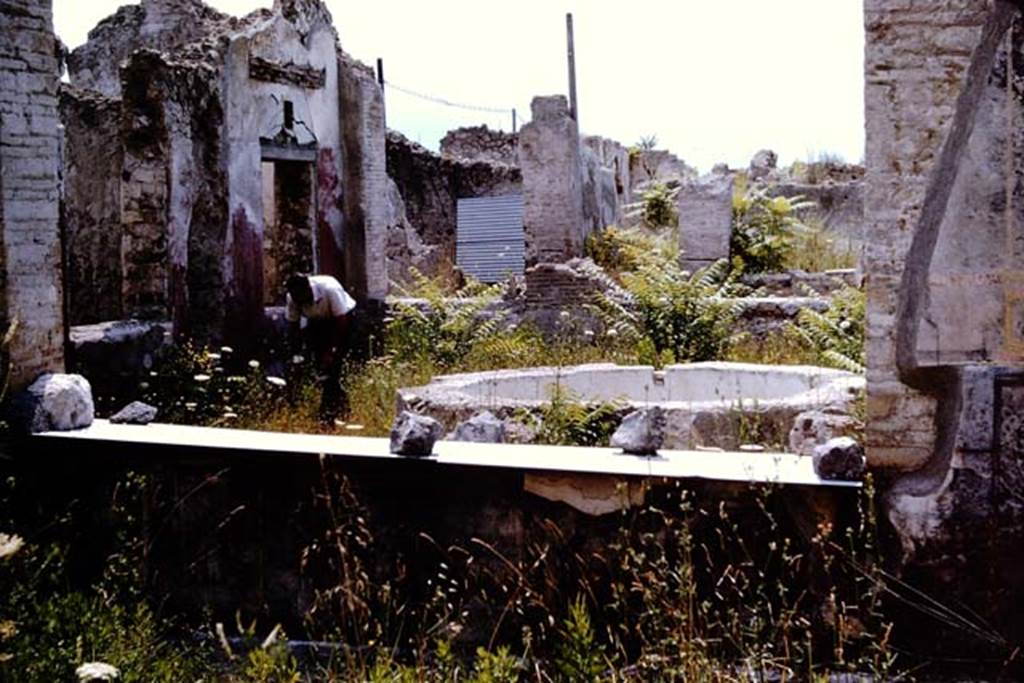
(160, 25)
(553, 202)
(30, 251)
(93, 162)
(189, 127)
(366, 180)
(480, 143)
(431, 186)
(944, 211)
(916, 60)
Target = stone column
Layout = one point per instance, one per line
(29, 189)
(366, 181)
(549, 156)
(705, 220)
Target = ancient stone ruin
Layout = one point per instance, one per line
(31, 291)
(228, 143)
(193, 160)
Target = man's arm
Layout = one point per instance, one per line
(291, 314)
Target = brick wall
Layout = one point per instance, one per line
(29, 183)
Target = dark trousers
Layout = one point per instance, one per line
(327, 342)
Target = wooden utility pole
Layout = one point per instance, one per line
(573, 107)
(380, 82)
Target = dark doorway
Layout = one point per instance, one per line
(288, 220)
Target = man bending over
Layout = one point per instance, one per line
(324, 304)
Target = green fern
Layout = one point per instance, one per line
(681, 317)
(837, 335)
(568, 420)
(445, 328)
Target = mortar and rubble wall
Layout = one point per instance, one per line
(943, 259)
(200, 131)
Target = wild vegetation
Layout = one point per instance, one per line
(679, 591)
(765, 229)
(682, 590)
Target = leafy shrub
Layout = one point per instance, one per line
(445, 328)
(497, 667)
(621, 250)
(677, 316)
(48, 629)
(763, 230)
(269, 661)
(569, 421)
(836, 336)
(580, 656)
(658, 206)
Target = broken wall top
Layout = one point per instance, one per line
(473, 143)
(180, 28)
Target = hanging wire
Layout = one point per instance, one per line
(445, 102)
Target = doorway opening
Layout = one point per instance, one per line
(288, 224)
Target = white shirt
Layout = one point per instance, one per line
(329, 301)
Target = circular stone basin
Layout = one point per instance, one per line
(706, 404)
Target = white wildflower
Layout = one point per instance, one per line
(254, 364)
(9, 545)
(93, 672)
(191, 405)
(202, 378)
(213, 356)
(297, 359)
(226, 349)
(230, 415)
(277, 381)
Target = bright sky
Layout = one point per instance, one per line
(714, 81)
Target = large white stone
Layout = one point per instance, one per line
(55, 402)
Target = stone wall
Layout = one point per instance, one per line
(705, 220)
(602, 204)
(480, 143)
(657, 165)
(839, 205)
(916, 59)
(202, 119)
(298, 37)
(431, 186)
(614, 156)
(160, 25)
(944, 210)
(30, 249)
(553, 205)
(93, 162)
(366, 182)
